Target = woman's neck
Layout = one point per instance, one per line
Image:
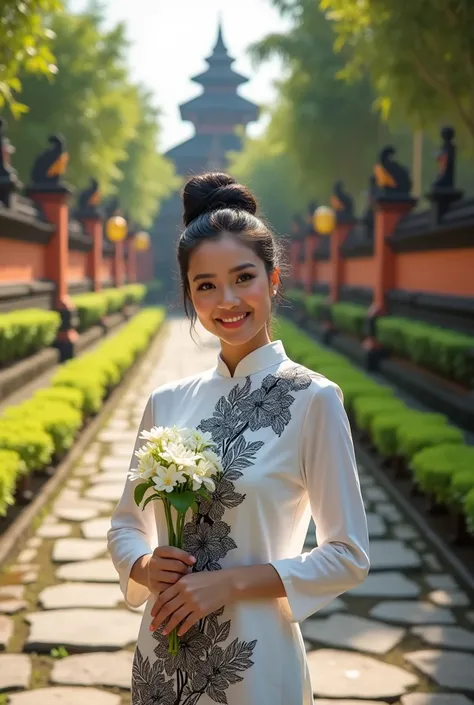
(233, 354)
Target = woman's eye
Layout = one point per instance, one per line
(245, 277)
(205, 286)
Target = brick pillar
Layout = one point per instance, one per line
(340, 233)
(94, 228)
(387, 216)
(294, 253)
(310, 243)
(54, 205)
(131, 262)
(119, 264)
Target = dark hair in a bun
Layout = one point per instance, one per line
(214, 203)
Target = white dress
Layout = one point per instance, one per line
(287, 452)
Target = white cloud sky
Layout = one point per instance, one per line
(172, 38)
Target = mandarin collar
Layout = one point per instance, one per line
(260, 359)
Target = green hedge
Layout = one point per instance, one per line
(93, 306)
(441, 463)
(11, 467)
(23, 333)
(446, 471)
(46, 424)
(349, 318)
(443, 351)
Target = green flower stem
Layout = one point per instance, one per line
(175, 538)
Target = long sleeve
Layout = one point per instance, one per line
(133, 530)
(329, 471)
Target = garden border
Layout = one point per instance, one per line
(18, 529)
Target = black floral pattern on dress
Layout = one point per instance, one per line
(204, 664)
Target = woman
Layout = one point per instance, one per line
(242, 585)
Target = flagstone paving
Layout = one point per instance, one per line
(405, 636)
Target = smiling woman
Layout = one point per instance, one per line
(241, 583)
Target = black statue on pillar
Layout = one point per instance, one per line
(50, 166)
(88, 202)
(443, 191)
(392, 180)
(342, 203)
(9, 182)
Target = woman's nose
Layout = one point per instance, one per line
(229, 297)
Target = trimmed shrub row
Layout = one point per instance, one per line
(93, 306)
(42, 429)
(24, 333)
(446, 352)
(441, 463)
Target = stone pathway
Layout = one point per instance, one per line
(405, 636)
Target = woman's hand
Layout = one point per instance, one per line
(191, 598)
(166, 566)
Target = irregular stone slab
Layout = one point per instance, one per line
(366, 480)
(67, 550)
(113, 464)
(386, 584)
(420, 546)
(375, 494)
(80, 595)
(118, 436)
(27, 555)
(448, 637)
(410, 612)
(345, 630)
(449, 598)
(337, 605)
(98, 571)
(392, 554)
(118, 424)
(8, 591)
(96, 528)
(54, 531)
(12, 606)
(24, 574)
(345, 674)
(82, 629)
(405, 532)
(15, 672)
(323, 701)
(434, 699)
(34, 542)
(6, 631)
(441, 582)
(102, 669)
(105, 477)
(449, 669)
(76, 513)
(64, 696)
(470, 616)
(74, 483)
(376, 525)
(85, 471)
(431, 562)
(124, 450)
(389, 511)
(108, 491)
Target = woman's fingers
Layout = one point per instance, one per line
(174, 553)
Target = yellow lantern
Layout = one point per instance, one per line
(116, 228)
(324, 220)
(141, 241)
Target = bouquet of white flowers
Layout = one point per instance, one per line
(178, 465)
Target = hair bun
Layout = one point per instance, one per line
(215, 191)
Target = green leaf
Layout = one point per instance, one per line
(182, 501)
(140, 492)
(151, 498)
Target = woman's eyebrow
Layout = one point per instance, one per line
(239, 268)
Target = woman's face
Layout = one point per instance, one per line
(230, 290)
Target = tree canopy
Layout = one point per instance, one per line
(110, 126)
(420, 56)
(25, 46)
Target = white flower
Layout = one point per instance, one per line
(147, 466)
(212, 458)
(166, 479)
(178, 454)
(156, 434)
(200, 480)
